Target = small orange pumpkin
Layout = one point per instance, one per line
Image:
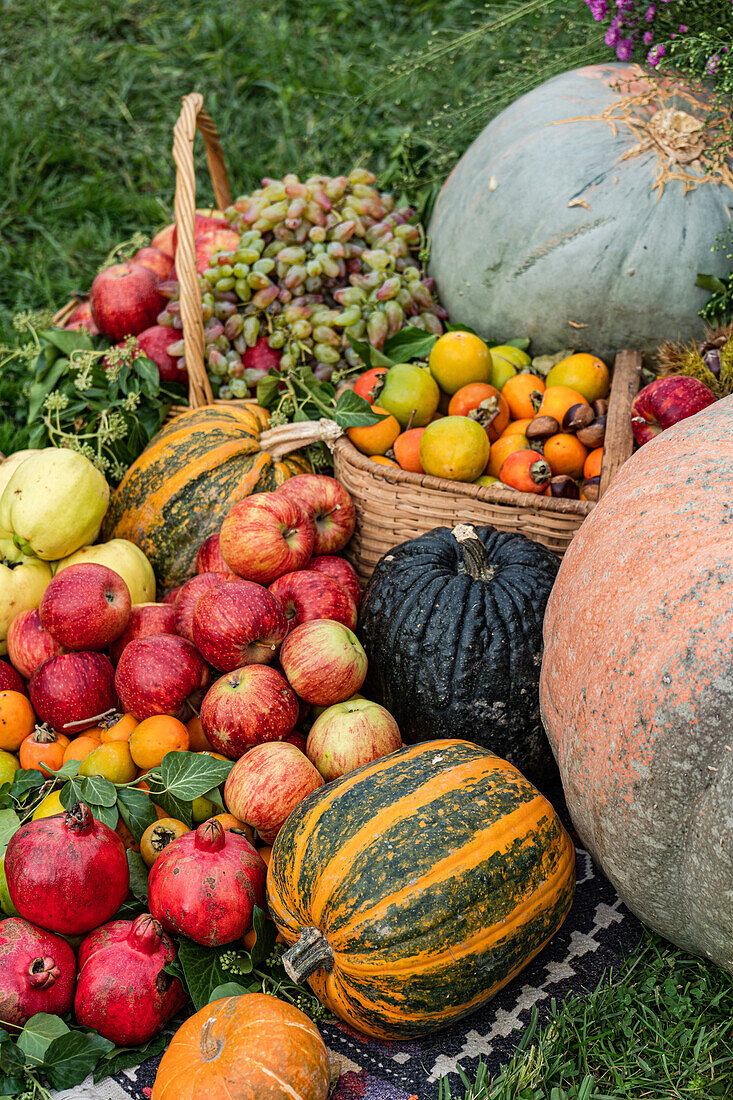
(244, 1047)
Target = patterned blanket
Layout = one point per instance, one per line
(597, 933)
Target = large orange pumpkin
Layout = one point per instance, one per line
(637, 682)
(245, 1048)
(183, 484)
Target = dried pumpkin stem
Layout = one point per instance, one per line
(474, 560)
(311, 952)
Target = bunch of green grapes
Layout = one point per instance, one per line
(318, 262)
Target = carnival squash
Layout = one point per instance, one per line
(578, 214)
(253, 1047)
(418, 885)
(183, 484)
(452, 625)
(637, 682)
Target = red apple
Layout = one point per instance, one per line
(665, 402)
(351, 734)
(306, 596)
(261, 358)
(189, 595)
(324, 662)
(85, 606)
(265, 536)
(29, 644)
(157, 261)
(145, 619)
(328, 505)
(73, 690)
(265, 786)
(210, 558)
(81, 317)
(297, 739)
(172, 596)
(204, 222)
(164, 240)
(125, 300)
(10, 679)
(154, 342)
(247, 707)
(238, 624)
(216, 240)
(340, 570)
(160, 674)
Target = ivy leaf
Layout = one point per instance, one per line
(268, 389)
(410, 342)
(40, 390)
(13, 1079)
(265, 931)
(173, 807)
(67, 340)
(228, 989)
(521, 342)
(71, 1057)
(26, 780)
(214, 795)
(202, 970)
(38, 1034)
(106, 814)
(370, 356)
(9, 824)
(186, 775)
(149, 374)
(71, 793)
(70, 768)
(138, 875)
(353, 411)
(119, 1059)
(136, 809)
(99, 791)
(460, 328)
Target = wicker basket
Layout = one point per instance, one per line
(392, 505)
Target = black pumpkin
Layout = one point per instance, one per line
(452, 626)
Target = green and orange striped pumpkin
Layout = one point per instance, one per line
(183, 484)
(414, 888)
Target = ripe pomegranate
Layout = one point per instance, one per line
(122, 991)
(206, 884)
(67, 873)
(37, 972)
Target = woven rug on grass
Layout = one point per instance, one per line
(598, 932)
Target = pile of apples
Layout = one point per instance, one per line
(483, 415)
(238, 661)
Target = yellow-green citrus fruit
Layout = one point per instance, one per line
(110, 761)
(9, 765)
(454, 447)
(50, 806)
(584, 373)
(410, 394)
(459, 358)
(6, 905)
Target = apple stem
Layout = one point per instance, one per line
(266, 645)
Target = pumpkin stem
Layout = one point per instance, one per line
(210, 1047)
(312, 952)
(474, 561)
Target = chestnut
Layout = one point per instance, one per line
(562, 485)
(600, 407)
(542, 427)
(592, 488)
(594, 435)
(577, 416)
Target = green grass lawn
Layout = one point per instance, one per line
(90, 94)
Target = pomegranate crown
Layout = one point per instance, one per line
(79, 819)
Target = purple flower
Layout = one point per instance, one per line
(651, 11)
(655, 55)
(624, 49)
(683, 28)
(611, 36)
(598, 9)
(712, 64)
(648, 37)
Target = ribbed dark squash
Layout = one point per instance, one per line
(417, 886)
(183, 484)
(452, 626)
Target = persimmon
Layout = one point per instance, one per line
(501, 450)
(375, 439)
(249, 939)
(43, 746)
(17, 720)
(565, 454)
(458, 358)
(158, 836)
(406, 449)
(197, 739)
(81, 746)
(484, 404)
(264, 853)
(111, 761)
(523, 393)
(229, 821)
(593, 463)
(368, 384)
(126, 836)
(154, 737)
(556, 401)
(382, 460)
(526, 471)
(517, 427)
(455, 447)
(118, 728)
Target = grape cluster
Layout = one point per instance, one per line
(318, 262)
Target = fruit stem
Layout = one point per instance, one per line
(210, 1048)
(474, 561)
(311, 952)
(92, 718)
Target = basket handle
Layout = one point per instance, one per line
(193, 117)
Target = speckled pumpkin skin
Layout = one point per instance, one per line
(637, 682)
(435, 874)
